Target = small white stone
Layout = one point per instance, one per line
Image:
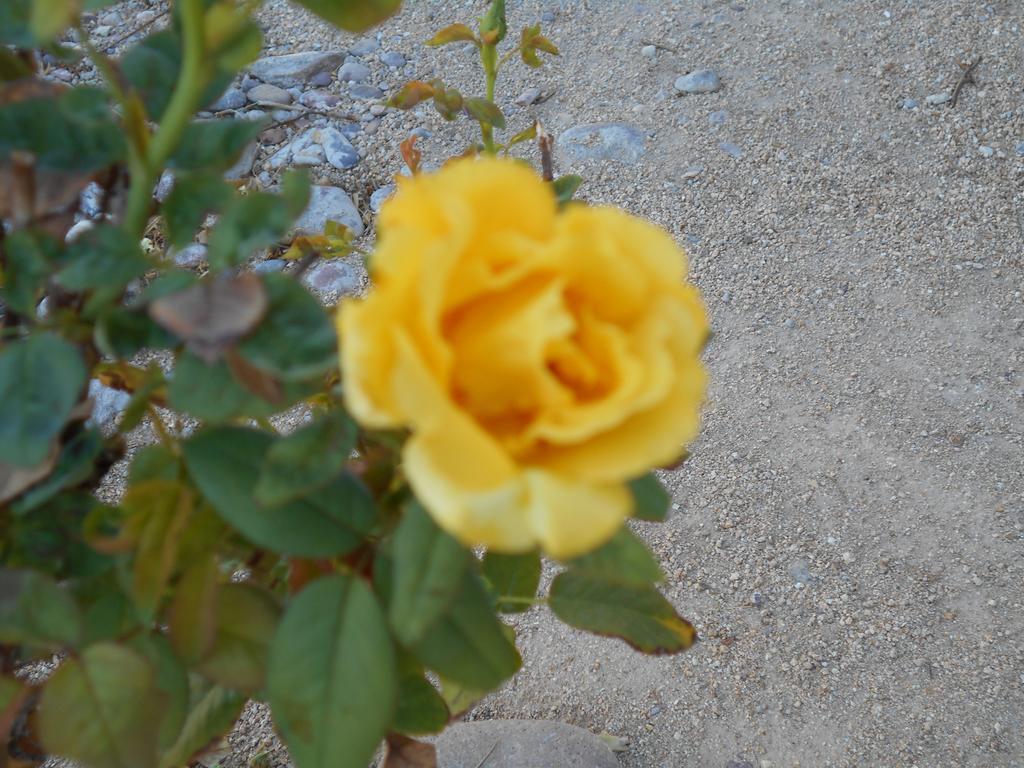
(649, 51)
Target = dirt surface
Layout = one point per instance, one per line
(847, 535)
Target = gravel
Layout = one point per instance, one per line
(862, 264)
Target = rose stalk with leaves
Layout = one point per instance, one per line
(505, 388)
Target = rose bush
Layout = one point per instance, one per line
(540, 358)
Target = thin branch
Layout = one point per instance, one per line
(659, 46)
(967, 76)
(118, 40)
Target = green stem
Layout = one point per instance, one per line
(489, 58)
(183, 103)
(531, 601)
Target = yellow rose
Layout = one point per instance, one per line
(540, 359)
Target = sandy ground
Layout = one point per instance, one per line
(847, 535)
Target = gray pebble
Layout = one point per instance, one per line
(649, 51)
(379, 196)
(108, 403)
(89, 200)
(364, 47)
(62, 74)
(365, 92)
(547, 17)
(620, 142)
(334, 276)
(392, 59)
(232, 98)
(730, 149)
(102, 31)
(329, 204)
(164, 186)
(937, 98)
(528, 97)
(338, 149)
(353, 72)
(270, 265)
(1020, 148)
(423, 133)
(295, 68)
(799, 571)
(351, 130)
(986, 151)
(248, 83)
(910, 103)
(310, 155)
(377, 109)
(269, 93)
(719, 117)
(371, 128)
(692, 172)
(77, 230)
(701, 81)
(319, 99)
(242, 168)
(321, 80)
(191, 255)
(111, 18)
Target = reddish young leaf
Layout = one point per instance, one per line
(412, 156)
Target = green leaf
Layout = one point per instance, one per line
(193, 197)
(225, 463)
(12, 696)
(102, 709)
(108, 613)
(447, 101)
(51, 17)
(76, 464)
(485, 111)
(331, 680)
(352, 15)
(15, 29)
(153, 462)
(12, 67)
(452, 34)
(29, 260)
(527, 134)
(428, 568)
(208, 720)
(151, 67)
(210, 392)
(296, 339)
(214, 144)
(637, 614)
(246, 619)
(306, 460)
(73, 132)
(193, 614)
(105, 257)
(411, 94)
(121, 332)
(513, 576)
(171, 681)
(41, 378)
(158, 510)
(35, 611)
(421, 709)
(49, 535)
(468, 644)
(625, 558)
(651, 500)
(565, 187)
(256, 221)
(458, 697)
(493, 26)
